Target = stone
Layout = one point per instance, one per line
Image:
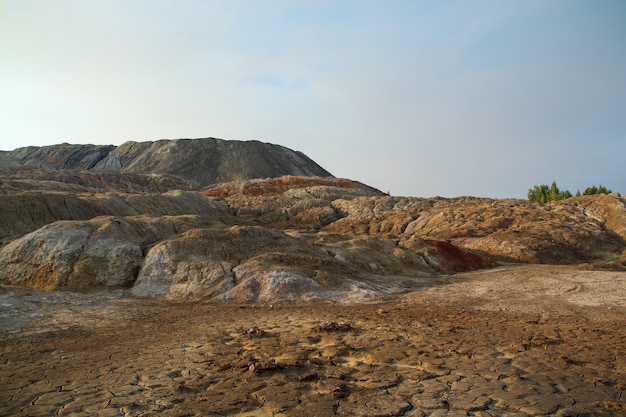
(45, 258)
(332, 326)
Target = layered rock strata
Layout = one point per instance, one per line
(290, 238)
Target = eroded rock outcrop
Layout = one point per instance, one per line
(77, 181)
(87, 255)
(580, 229)
(272, 239)
(300, 202)
(188, 257)
(24, 212)
(44, 259)
(249, 249)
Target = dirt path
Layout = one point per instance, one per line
(530, 340)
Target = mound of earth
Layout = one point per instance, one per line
(290, 238)
(81, 222)
(587, 229)
(200, 161)
(261, 240)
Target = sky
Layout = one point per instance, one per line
(416, 98)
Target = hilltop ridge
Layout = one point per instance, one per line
(201, 162)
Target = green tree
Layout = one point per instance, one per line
(543, 194)
(601, 189)
(539, 194)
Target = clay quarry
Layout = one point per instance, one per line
(221, 278)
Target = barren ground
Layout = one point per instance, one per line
(513, 341)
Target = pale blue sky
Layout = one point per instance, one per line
(421, 98)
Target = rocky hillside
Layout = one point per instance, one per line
(276, 239)
(201, 162)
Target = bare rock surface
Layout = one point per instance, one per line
(200, 161)
(24, 212)
(70, 180)
(289, 238)
(86, 255)
(199, 257)
(580, 229)
(228, 243)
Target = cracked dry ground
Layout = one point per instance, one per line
(419, 356)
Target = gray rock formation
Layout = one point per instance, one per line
(200, 161)
(83, 255)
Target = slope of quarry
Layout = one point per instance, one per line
(287, 238)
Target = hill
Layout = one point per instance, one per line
(201, 162)
(74, 221)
